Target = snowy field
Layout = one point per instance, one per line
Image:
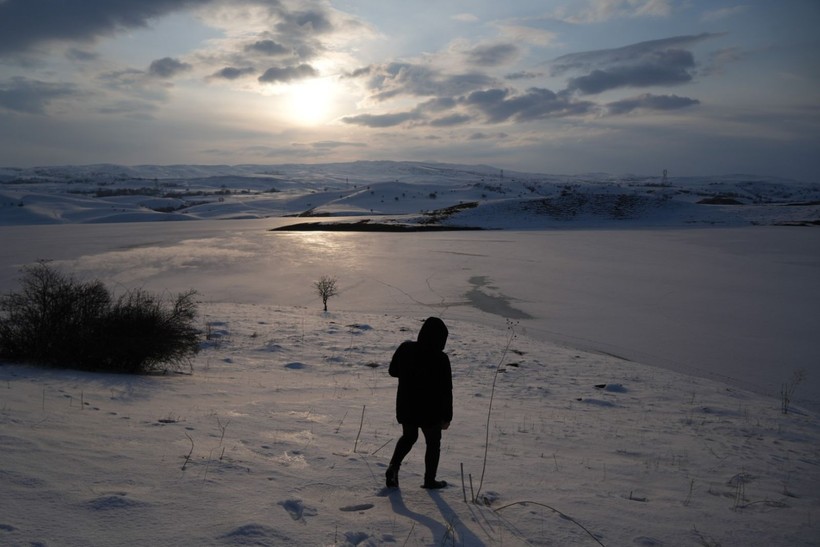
(637, 361)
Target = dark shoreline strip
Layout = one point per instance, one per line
(368, 227)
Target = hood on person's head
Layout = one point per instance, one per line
(433, 334)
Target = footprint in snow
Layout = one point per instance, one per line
(298, 510)
(596, 402)
(356, 538)
(257, 534)
(114, 501)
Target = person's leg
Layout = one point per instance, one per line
(409, 436)
(432, 437)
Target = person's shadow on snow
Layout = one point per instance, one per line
(439, 531)
(468, 539)
(397, 503)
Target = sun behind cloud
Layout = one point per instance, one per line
(311, 102)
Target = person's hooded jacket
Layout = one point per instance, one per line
(425, 392)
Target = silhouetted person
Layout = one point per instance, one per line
(424, 398)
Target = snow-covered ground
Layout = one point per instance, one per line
(639, 370)
(282, 434)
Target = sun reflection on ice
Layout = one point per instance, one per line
(340, 251)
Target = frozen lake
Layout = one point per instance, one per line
(737, 304)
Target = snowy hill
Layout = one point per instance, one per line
(407, 192)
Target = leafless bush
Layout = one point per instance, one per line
(787, 390)
(59, 321)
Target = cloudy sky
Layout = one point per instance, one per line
(557, 86)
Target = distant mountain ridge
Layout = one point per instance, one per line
(398, 192)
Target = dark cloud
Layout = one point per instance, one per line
(311, 21)
(627, 55)
(233, 73)
(32, 96)
(420, 115)
(653, 63)
(451, 120)
(293, 46)
(268, 47)
(480, 136)
(293, 39)
(668, 67)
(396, 79)
(288, 73)
(438, 104)
(361, 72)
(25, 24)
(492, 55)
(300, 33)
(381, 120)
(523, 75)
(76, 54)
(167, 67)
(461, 99)
(648, 101)
(469, 97)
(487, 97)
(500, 105)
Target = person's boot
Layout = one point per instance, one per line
(433, 484)
(392, 476)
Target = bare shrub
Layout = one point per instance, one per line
(52, 315)
(144, 333)
(58, 321)
(787, 390)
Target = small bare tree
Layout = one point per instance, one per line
(787, 390)
(326, 288)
